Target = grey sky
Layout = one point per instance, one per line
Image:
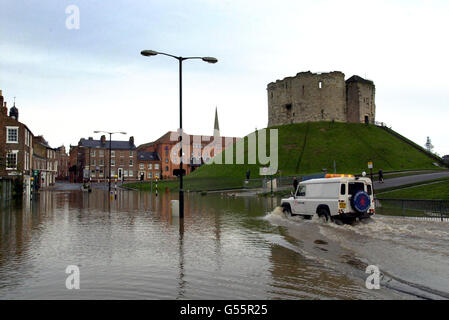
(69, 83)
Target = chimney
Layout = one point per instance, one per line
(90, 138)
(103, 139)
(131, 140)
(4, 108)
(1, 98)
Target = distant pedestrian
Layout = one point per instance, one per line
(248, 173)
(295, 184)
(381, 176)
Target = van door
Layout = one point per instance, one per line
(299, 203)
(353, 188)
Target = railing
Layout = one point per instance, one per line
(432, 209)
(411, 143)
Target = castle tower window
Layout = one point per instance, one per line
(288, 107)
(320, 84)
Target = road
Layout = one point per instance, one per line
(399, 181)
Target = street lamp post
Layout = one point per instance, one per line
(149, 53)
(110, 149)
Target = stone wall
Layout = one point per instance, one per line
(360, 100)
(320, 97)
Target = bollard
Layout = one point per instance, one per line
(174, 206)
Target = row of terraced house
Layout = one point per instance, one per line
(25, 159)
(95, 159)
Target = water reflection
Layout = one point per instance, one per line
(131, 247)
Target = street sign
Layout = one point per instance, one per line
(370, 164)
(267, 171)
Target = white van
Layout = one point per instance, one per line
(336, 197)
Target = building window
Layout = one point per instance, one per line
(11, 160)
(130, 162)
(93, 162)
(166, 168)
(156, 175)
(141, 166)
(101, 172)
(166, 160)
(156, 166)
(101, 162)
(101, 153)
(320, 84)
(150, 166)
(131, 153)
(131, 173)
(12, 134)
(92, 153)
(112, 162)
(150, 175)
(112, 153)
(113, 173)
(92, 173)
(126, 173)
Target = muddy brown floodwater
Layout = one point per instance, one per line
(227, 248)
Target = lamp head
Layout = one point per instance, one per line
(148, 53)
(210, 59)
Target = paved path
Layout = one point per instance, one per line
(396, 182)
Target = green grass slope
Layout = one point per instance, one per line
(433, 190)
(309, 147)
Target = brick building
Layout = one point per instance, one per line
(149, 165)
(63, 163)
(197, 149)
(90, 160)
(45, 162)
(16, 146)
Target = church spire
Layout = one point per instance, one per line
(216, 126)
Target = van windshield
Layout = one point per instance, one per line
(355, 187)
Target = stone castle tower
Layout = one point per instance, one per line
(321, 97)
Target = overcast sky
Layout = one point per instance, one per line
(69, 83)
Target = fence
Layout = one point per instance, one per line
(434, 209)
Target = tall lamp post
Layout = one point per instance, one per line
(149, 53)
(110, 149)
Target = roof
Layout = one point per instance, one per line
(115, 145)
(147, 156)
(356, 78)
(334, 180)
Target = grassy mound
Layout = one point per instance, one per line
(307, 148)
(310, 147)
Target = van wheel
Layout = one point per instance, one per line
(323, 215)
(338, 221)
(287, 211)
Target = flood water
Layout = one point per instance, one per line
(226, 248)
